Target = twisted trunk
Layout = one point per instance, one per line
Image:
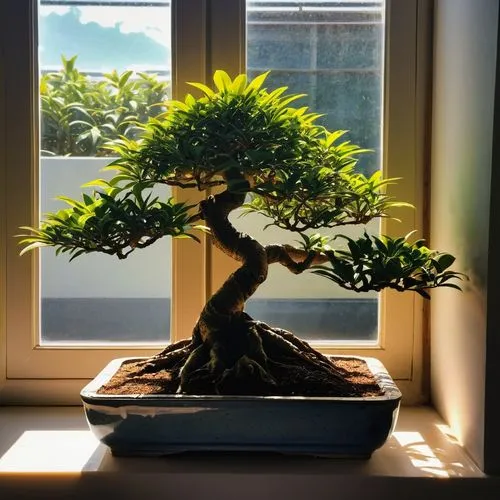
(226, 344)
(230, 299)
(229, 352)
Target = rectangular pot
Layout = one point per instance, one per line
(146, 425)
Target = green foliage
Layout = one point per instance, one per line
(112, 221)
(300, 175)
(314, 242)
(375, 263)
(80, 115)
(196, 142)
(252, 141)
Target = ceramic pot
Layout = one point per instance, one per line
(146, 425)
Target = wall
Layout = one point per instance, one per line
(78, 295)
(147, 273)
(492, 403)
(465, 47)
(3, 267)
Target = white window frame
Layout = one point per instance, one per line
(34, 372)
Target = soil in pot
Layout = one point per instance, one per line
(132, 378)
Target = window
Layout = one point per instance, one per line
(334, 54)
(89, 97)
(45, 348)
(205, 36)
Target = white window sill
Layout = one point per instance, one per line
(47, 452)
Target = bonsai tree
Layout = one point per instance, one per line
(271, 158)
(79, 115)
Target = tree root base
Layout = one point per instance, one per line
(290, 367)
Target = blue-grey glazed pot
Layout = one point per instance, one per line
(148, 425)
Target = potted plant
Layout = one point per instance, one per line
(238, 383)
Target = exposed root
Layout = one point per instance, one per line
(301, 345)
(286, 357)
(173, 347)
(171, 361)
(250, 358)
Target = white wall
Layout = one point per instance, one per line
(463, 95)
(146, 273)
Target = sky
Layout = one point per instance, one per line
(152, 21)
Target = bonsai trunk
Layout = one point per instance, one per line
(229, 352)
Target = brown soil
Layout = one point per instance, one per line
(127, 381)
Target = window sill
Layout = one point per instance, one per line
(47, 452)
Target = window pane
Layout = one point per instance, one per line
(333, 52)
(87, 99)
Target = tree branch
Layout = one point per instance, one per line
(186, 185)
(296, 260)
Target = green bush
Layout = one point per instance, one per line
(80, 115)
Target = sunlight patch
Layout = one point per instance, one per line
(50, 451)
(420, 454)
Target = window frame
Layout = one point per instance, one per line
(35, 372)
(27, 359)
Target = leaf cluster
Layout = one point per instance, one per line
(196, 142)
(80, 115)
(324, 195)
(298, 173)
(111, 221)
(374, 263)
